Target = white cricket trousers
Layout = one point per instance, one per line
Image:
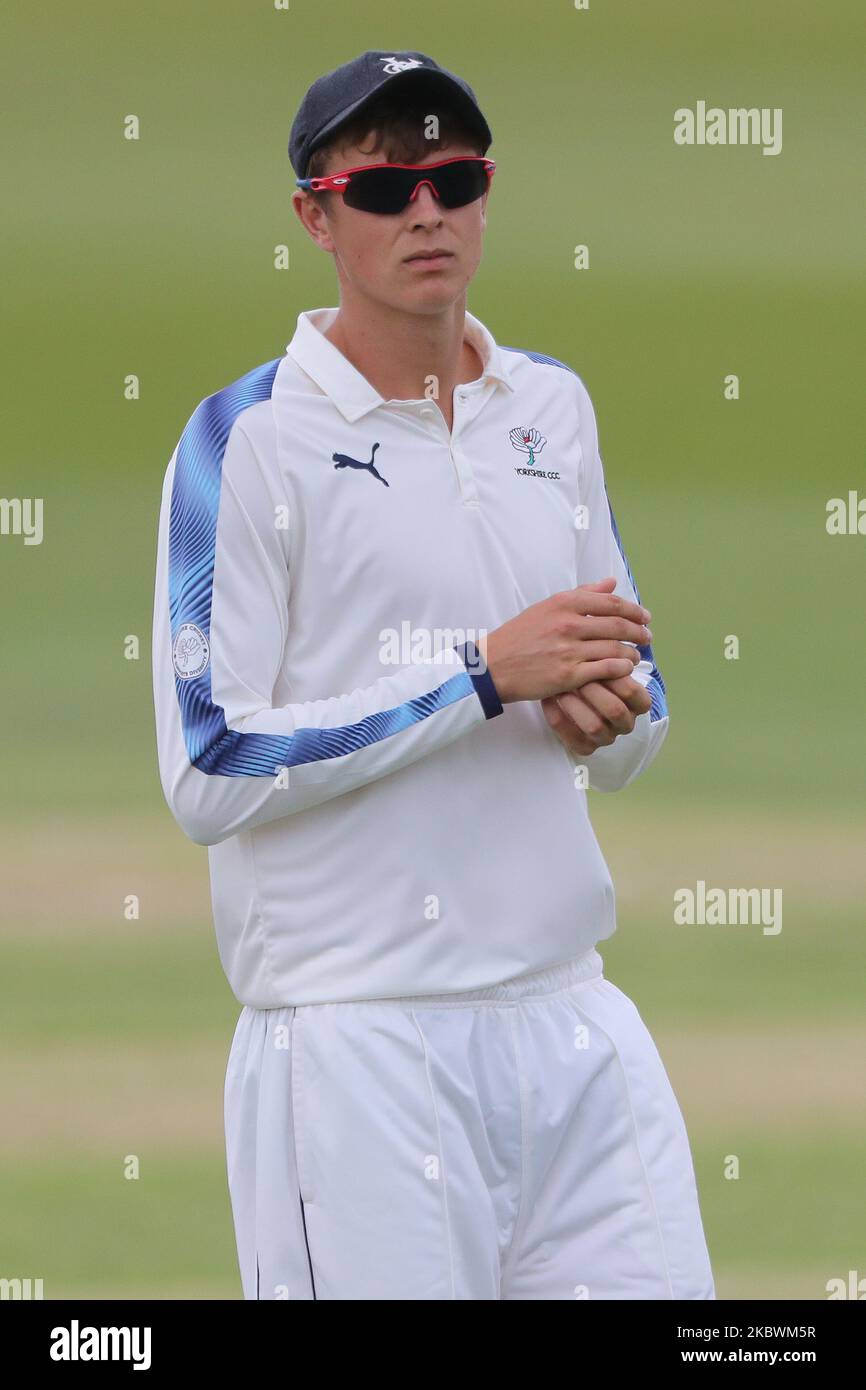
(517, 1142)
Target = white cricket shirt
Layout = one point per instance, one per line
(377, 823)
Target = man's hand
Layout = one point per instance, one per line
(596, 714)
(564, 642)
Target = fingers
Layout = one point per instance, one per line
(590, 625)
(601, 715)
(568, 733)
(598, 712)
(596, 649)
(606, 614)
(606, 706)
(587, 599)
(590, 723)
(606, 668)
(588, 653)
(631, 692)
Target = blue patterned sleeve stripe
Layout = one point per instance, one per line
(656, 685)
(211, 746)
(264, 755)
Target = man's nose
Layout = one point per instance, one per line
(425, 201)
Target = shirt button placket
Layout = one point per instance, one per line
(468, 490)
(462, 472)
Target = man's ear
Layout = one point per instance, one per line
(313, 219)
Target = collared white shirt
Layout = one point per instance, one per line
(378, 824)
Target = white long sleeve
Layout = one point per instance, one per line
(601, 553)
(232, 755)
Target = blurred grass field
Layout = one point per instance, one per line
(155, 257)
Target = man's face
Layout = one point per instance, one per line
(372, 251)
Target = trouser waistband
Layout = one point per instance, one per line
(554, 978)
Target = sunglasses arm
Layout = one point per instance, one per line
(335, 182)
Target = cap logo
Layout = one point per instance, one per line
(395, 64)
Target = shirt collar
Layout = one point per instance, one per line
(351, 392)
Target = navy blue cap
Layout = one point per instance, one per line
(339, 95)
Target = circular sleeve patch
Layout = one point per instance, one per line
(190, 652)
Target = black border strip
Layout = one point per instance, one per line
(481, 678)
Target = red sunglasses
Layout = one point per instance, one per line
(388, 188)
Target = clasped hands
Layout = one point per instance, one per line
(597, 713)
(575, 652)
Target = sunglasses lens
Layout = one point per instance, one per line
(378, 190)
(389, 190)
(459, 184)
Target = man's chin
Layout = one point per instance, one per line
(434, 298)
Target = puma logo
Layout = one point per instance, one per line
(344, 461)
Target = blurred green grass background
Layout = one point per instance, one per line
(156, 258)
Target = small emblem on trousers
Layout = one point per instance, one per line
(344, 461)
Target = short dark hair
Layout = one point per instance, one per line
(395, 124)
